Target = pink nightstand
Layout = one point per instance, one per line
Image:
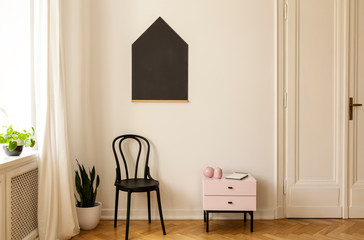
(227, 195)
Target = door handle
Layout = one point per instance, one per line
(351, 105)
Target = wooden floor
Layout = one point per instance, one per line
(232, 229)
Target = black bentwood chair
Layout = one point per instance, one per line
(130, 185)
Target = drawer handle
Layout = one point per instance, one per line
(230, 202)
(230, 187)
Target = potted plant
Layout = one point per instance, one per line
(14, 141)
(88, 210)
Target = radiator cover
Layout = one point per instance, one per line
(22, 221)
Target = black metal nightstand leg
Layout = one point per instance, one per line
(207, 218)
(251, 221)
(207, 221)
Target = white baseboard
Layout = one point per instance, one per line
(181, 214)
(356, 212)
(279, 213)
(313, 212)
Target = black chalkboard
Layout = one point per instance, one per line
(159, 65)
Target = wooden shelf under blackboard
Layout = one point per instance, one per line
(159, 101)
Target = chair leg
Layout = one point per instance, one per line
(148, 197)
(127, 217)
(160, 211)
(116, 207)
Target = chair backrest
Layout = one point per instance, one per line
(117, 147)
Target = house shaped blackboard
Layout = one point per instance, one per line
(160, 65)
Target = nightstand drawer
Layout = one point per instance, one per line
(244, 187)
(230, 203)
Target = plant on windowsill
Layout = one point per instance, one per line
(13, 141)
(88, 210)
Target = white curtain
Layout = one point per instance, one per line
(57, 218)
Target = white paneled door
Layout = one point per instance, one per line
(316, 67)
(356, 125)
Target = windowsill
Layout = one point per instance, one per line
(27, 156)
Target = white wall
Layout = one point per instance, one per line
(229, 122)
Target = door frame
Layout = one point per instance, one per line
(280, 208)
(281, 170)
(354, 184)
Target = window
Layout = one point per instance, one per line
(15, 63)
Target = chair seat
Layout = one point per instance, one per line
(137, 185)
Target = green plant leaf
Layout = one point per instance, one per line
(27, 143)
(2, 139)
(78, 202)
(86, 186)
(94, 198)
(22, 136)
(12, 145)
(92, 175)
(97, 181)
(79, 188)
(15, 135)
(9, 131)
(32, 142)
(97, 185)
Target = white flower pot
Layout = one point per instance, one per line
(89, 218)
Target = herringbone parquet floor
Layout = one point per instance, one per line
(283, 229)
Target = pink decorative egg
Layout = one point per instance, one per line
(217, 173)
(208, 172)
